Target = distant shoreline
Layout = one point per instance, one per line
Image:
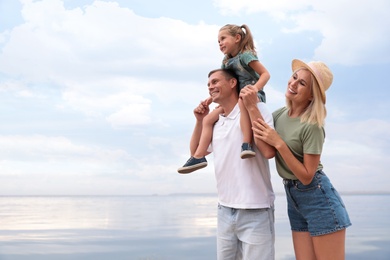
(347, 193)
(282, 193)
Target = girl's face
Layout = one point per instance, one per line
(299, 87)
(228, 44)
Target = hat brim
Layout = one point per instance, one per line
(297, 64)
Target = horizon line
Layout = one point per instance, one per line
(174, 194)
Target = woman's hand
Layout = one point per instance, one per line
(265, 133)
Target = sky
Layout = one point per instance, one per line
(96, 97)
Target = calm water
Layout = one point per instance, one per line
(158, 227)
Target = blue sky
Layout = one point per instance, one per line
(97, 96)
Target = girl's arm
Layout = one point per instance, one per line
(262, 71)
(250, 100)
(303, 171)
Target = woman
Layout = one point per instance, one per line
(318, 217)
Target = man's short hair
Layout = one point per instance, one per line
(228, 73)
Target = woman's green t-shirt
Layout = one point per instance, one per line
(301, 138)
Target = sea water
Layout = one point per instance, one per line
(165, 227)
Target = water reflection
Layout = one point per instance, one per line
(79, 225)
(156, 227)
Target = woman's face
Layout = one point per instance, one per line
(299, 89)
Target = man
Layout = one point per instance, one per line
(245, 194)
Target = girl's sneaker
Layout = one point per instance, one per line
(193, 164)
(247, 151)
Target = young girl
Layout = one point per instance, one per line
(317, 214)
(236, 42)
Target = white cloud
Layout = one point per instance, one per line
(54, 149)
(278, 9)
(110, 91)
(132, 114)
(128, 101)
(97, 98)
(104, 58)
(37, 164)
(353, 33)
(356, 153)
(100, 39)
(371, 133)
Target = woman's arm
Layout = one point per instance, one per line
(303, 171)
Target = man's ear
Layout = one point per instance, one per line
(234, 82)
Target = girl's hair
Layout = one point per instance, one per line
(246, 43)
(315, 112)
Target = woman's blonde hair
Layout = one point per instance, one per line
(315, 112)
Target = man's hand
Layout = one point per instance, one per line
(202, 109)
(208, 100)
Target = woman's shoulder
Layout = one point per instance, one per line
(313, 129)
(279, 111)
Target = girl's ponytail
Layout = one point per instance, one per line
(247, 43)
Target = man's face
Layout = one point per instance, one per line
(218, 86)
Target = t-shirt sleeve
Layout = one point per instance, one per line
(313, 139)
(247, 57)
(277, 113)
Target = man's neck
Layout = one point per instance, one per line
(229, 105)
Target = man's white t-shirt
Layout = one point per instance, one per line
(241, 183)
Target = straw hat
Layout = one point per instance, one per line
(320, 71)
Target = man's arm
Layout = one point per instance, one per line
(250, 99)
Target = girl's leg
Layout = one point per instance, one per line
(246, 128)
(197, 160)
(207, 132)
(245, 122)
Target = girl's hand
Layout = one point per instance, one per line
(249, 96)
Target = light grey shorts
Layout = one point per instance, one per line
(245, 234)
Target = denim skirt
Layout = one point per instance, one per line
(316, 208)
